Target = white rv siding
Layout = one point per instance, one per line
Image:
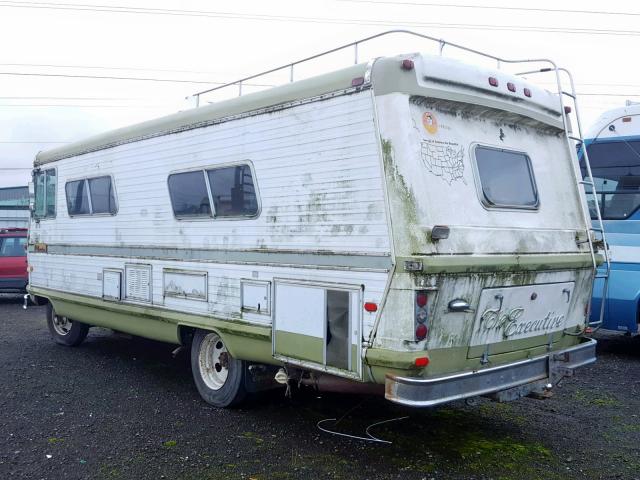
(317, 170)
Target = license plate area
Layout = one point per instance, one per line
(508, 314)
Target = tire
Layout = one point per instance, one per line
(218, 376)
(63, 330)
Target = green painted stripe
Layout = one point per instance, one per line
(499, 263)
(252, 257)
(302, 347)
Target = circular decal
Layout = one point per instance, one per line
(429, 122)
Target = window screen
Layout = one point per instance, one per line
(189, 195)
(103, 199)
(506, 178)
(77, 198)
(233, 191)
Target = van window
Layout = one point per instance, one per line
(91, 196)
(506, 178)
(103, 199)
(77, 198)
(615, 166)
(45, 194)
(234, 194)
(189, 195)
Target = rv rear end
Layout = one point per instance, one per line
(493, 267)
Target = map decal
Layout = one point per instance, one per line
(443, 159)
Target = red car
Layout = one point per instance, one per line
(13, 260)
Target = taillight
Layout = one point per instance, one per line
(421, 309)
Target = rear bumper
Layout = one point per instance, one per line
(18, 284)
(426, 392)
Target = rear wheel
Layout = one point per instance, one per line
(218, 376)
(65, 331)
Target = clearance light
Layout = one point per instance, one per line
(511, 87)
(493, 81)
(356, 82)
(527, 92)
(371, 307)
(626, 119)
(567, 109)
(407, 64)
(422, 362)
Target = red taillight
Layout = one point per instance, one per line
(421, 331)
(421, 314)
(421, 299)
(493, 81)
(370, 307)
(422, 362)
(527, 92)
(511, 87)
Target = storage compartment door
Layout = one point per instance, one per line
(318, 324)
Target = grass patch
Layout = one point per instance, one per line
(170, 443)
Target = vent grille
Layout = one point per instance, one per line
(138, 286)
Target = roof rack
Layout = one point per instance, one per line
(442, 43)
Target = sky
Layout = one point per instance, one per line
(70, 70)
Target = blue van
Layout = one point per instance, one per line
(613, 147)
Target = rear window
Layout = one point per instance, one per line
(13, 247)
(506, 178)
(616, 174)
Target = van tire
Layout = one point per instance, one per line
(219, 377)
(65, 331)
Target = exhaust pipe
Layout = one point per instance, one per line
(329, 383)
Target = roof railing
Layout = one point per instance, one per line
(355, 45)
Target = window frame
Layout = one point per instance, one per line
(89, 201)
(43, 172)
(484, 200)
(212, 216)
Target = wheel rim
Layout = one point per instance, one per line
(62, 325)
(214, 361)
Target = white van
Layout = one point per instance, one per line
(412, 226)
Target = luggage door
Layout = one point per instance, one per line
(318, 326)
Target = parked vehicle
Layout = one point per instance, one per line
(613, 147)
(13, 260)
(14, 207)
(411, 226)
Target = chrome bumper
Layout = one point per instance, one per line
(426, 392)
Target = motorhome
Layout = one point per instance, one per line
(613, 148)
(412, 226)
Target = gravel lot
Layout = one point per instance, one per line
(124, 408)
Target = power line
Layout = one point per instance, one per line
(106, 77)
(82, 106)
(494, 7)
(101, 67)
(282, 18)
(27, 142)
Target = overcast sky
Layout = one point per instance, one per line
(156, 53)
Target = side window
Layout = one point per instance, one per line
(45, 194)
(103, 199)
(189, 195)
(77, 198)
(91, 196)
(233, 191)
(506, 178)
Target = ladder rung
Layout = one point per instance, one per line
(595, 229)
(602, 276)
(577, 139)
(569, 94)
(587, 182)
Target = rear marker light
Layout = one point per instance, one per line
(421, 299)
(493, 81)
(626, 119)
(356, 82)
(511, 87)
(422, 362)
(371, 307)
(527, 92)
(421, 331)
(407, 64)
(567, 109)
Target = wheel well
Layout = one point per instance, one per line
(185, 334)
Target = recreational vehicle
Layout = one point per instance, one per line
(613, 147)
(412, 226)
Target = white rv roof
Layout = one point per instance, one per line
(431, 76)
(615, 116)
